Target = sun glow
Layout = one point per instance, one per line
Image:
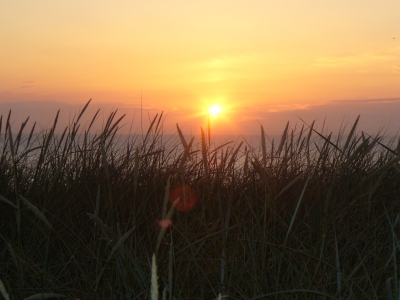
(215, 110)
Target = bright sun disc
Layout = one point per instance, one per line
(215, 110)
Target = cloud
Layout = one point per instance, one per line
(288, 107)
(366, 101)
(27, 84)
(341, 60)
(376, 114)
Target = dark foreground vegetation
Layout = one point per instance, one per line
(306, 217)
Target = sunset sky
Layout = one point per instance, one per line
(263, 62)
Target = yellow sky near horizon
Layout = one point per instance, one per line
(184, 56)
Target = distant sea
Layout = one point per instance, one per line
(250, 143)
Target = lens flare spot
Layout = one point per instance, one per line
(164, 223)
(183, 197)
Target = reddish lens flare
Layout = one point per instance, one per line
(164, 223)
(183, 197)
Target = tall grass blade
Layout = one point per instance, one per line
(264, 148)
(166, 197)
(351, 134)
(97, 207)
(119, 243)
(83, 110)
(170, 267)
(5, 200)
(168, 217)
(387, 148)
(382, 168)
(158, 127)
(183, 141)
(36, 211)
(136, 171)
(7, 125)
(323, 137)
(18, 138)
(378, 183)
(246, 162)
(300, 136)
(154, 279)
(233, 157)
(296, 210)
(283, 140)
(205, 238)
(294, 181)
(42, 296)
(106, 169)
(308, 142)
(93, 120)
(3, 290)
(389, 291)
(12, 253)
(149, 130)
(186, 155)
(355, 153)
(395, 250)
(209, 131)
(302, 292)
(204, 153)
(339, 283)
(113, 251)
(106, 230)
(109, 127)
(398, 147)
(261, 172)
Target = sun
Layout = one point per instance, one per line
(215, 110)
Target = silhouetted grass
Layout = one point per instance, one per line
(310, 217)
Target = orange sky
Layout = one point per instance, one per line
(254, 58)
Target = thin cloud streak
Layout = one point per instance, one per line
(375, 115)
(333, 61)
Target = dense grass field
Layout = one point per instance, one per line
(308, 216)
